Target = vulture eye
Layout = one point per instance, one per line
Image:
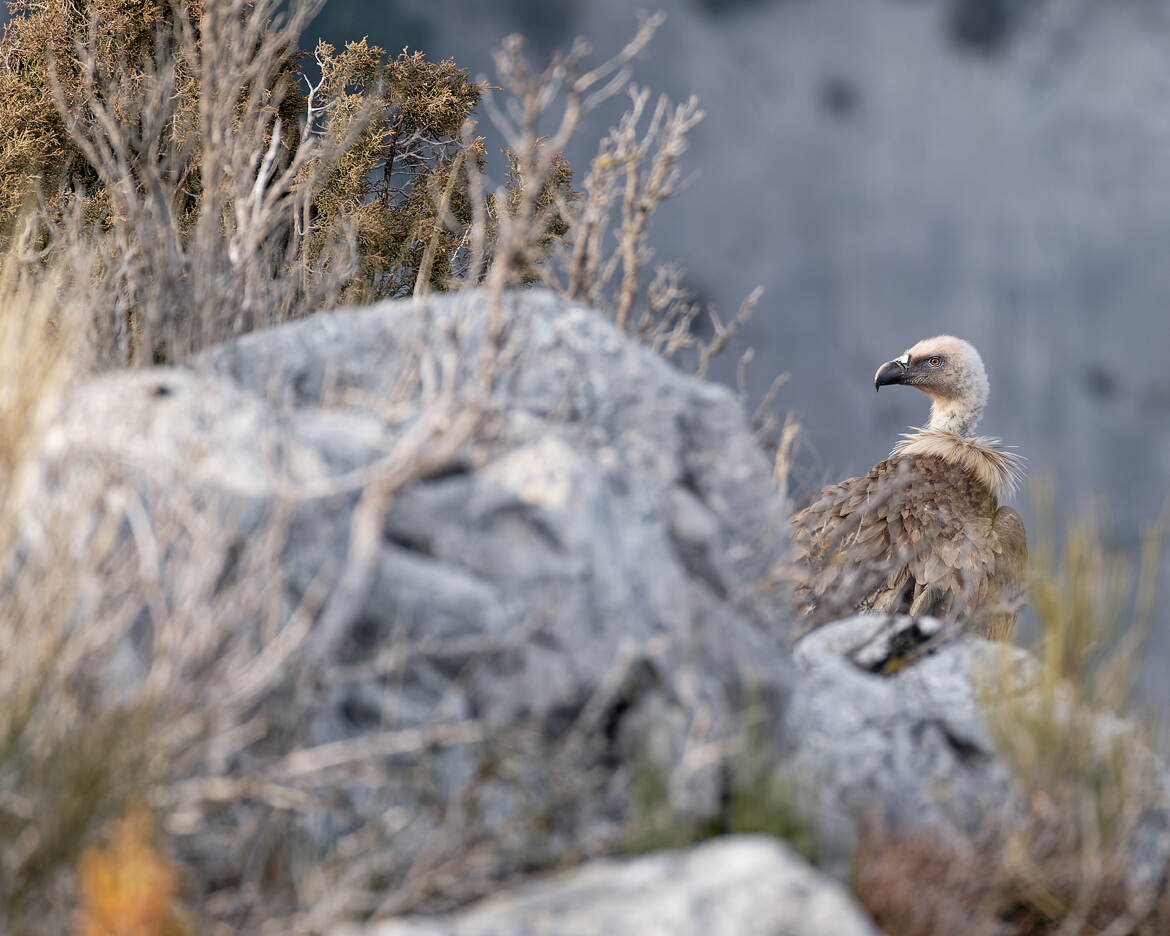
(934, 362)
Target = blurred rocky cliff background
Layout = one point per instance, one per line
(892, 169)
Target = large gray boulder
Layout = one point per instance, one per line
(609, 495)
(734, 886)
(513, 628)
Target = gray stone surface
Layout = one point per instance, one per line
(614, 497)
(908, 747)
(889, 723)
(736, 886)
(581, 583)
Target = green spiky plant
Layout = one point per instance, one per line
(201, 145)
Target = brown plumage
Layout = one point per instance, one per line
(922, 532)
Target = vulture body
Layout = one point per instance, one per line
(922, 532)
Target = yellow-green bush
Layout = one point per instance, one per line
(196, 143)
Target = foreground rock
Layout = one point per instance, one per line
(512, 632)
(737, 886)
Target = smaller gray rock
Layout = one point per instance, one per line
(735, 886)
(891, 721)
(887, 724)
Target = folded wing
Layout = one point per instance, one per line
(917, 535)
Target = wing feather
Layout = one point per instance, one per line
(1008, 580)
(916, 534)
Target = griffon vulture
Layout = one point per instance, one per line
(922, 532)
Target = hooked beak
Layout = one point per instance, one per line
(891, 372)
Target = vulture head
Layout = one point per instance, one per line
(950, 372)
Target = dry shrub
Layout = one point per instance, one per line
(154, 653)
(1030, 874)
(174, 140)
(223, 182)
(69, 761)
(915, 884)
(226, 184)
(179, 188)
(408, 114)
(124, 677)
(591, 246)
(95, 574)
(41, 752)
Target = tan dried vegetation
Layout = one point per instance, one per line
(171, 176)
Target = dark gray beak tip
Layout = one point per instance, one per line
(891, 372)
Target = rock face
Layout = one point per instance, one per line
(735, 886)
(611, 496)
(890, 723)
(568, 606)
(908, 747)
(605, 541)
